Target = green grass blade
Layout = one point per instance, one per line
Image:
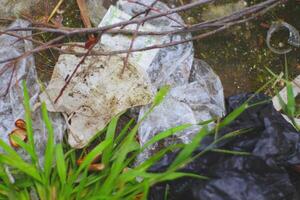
(25, 146)
(225, 151)
(110, 134)
(124, 131)
(48, 161)
(60, 164)
(233, 115)
(189, 148)
(28, 118)
(21, 166)
(291, 103)
(161, 94)
(98, 150)
(165, 134)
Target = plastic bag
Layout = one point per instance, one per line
(11, 91)
(264, 175)
(200, 100)
(172, 65)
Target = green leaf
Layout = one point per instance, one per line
(189, 148)
(50, 144)
(28, 118)
(60, 164)
(21, 166)
(161, 94)
(291, 103)
(91, 156)
(165, 134)
(110, 134)
(233, 115)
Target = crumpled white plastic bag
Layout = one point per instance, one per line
(198, 101)
(11, 99)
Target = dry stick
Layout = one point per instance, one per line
(39, 48)
(146, 11)
(10, 79)
(179, 42)
(151, 8)
(73, 31)
(208, 24)
(76, 69)
(129, 50)
(198, 27)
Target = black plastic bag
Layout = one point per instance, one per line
(264, 175)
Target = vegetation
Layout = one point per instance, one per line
(60, 177)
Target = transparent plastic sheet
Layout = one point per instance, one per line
(267, 174)
(172, 65)
(11, 99)
(293, 40)
(200, 100)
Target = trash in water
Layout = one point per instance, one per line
(293, 40)
(11, 94)
(98, 91)
(265, 174)
(200, 100)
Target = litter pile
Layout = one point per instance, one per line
(266, 174)
(103, 87)
(98, 92)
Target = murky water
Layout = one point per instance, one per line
(239, 55)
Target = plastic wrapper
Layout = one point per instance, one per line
(198, 101)
(99, 90)
(11, 99)
(265, 174)
(171, 65)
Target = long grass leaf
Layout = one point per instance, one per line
(189, 148)
(110, 134)
(48, 161)
(28, 118)
(60, 164)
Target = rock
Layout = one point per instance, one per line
(97, 92)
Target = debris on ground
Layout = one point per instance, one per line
(100, 89)
(265, 174)
(198, 101)
(11, 94)
(172, 65)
